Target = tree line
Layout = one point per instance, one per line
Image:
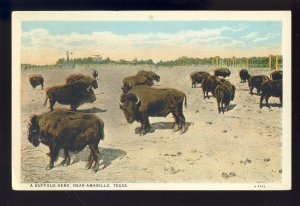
(254, 62)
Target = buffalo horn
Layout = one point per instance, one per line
(120, 102)
(138, 100)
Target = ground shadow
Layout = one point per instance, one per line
(108, 155)
(231, 106)
(92, 110)
(162, 125)
(271, 105)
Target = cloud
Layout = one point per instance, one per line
(41, 44)
(251, 35)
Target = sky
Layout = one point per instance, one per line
(44, 42)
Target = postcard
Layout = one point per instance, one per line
(151, 100)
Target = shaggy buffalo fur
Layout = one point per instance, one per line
(70, 131)
(224, 94)
(197, 77)
(36, 79)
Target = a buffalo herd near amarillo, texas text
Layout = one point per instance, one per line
(73, 130)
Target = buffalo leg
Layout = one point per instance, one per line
(267, 100)
(251, 90)
(280, 98)
(261, 100)
(52, 103)
(66, 161)
(181, 118)
(96, 153)
(145, 124)
(177, 121)
(74, 107)
(90, 160)
(219, 109)
(53, 156)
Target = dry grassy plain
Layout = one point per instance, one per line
(245, 141)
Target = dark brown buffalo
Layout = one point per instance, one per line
(224, 72)
(36, 79)
(271, 88)
(135, 80)
(197, 77)
(224, 93)
(149, 74)
(143, 101)
(95, 74)
(255, 82)
(244, 75)
(74, 94)
(70, 131)
(209, 84)
(276, 75)
(86, 80)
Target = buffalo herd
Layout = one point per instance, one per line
(72, 130)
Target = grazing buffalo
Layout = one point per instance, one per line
(132, 81)
(143, 101)
(256, 81)
(224, 72)
(74, 94)
(197, 77)
(70, 131)
(86, 80)
(209, 84)
(244, 75)
(276, 75)
(95, 74)
(35, 80)
(224, 94)
(271, 88)
(149, 74)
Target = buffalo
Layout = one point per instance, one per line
(74, 94)
(244, 75)
(209, 84)
(276, 75)
(149, 74)
(224, 72)
(70, 131)
(95, 74)
(132, 81)
(256, 81)
(86, 80)
(271, 88)
(143, 101)
(224, 93)
(197, 77)
(36, 79)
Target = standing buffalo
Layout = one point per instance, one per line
(143, 101)
(256, 81)
(209, 84)
(149, 74)
(276, 75)
(62, 129)
(224, 72)
(197, 77)
(271, 88)
(244, 75)
(35, 80)
(224, 94)
(74, 94)
(95, 74)
(86, 80)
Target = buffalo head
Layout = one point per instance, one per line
(129, 103)
(34, 131)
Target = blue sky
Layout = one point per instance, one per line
(184, 38)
